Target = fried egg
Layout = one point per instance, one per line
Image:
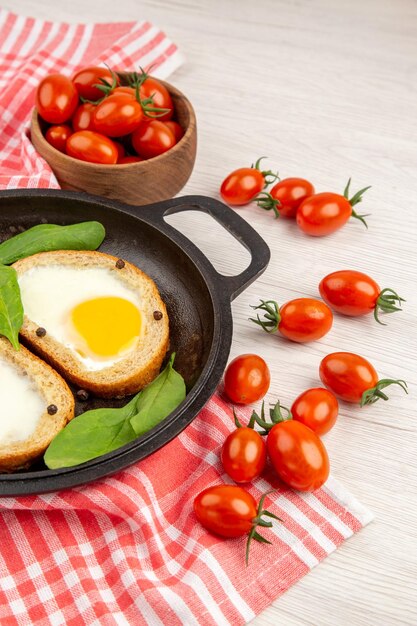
(89, 310)
(21, 405)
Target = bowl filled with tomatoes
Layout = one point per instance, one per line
(126, 136)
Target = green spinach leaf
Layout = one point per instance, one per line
(11, 308)
(158, 399)
(47, 237)
(99, 431)
(90, 435)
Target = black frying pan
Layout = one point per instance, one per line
(197, 298)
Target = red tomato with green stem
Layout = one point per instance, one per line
(118, 115)
(316, 408)
(296, 452)
(324, 213)
(83, 118)
(354, 293)
(243, 453)
(290, 193)
(300, 320)
(152, 139)
(57, 136)
(245, 184)
(246, 379)
(89, 82)
(230, 511)
(354, 379)
(56, 99)
(156, 96)
(87, 145)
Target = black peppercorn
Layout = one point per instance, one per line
(157, 315)
(40, 332)
(120, 264)
(82, 395)
(52, 409)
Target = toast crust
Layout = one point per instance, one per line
(54, 390)
(140, 366)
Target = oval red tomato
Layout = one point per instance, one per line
(87, 145)
(291, 192)
(324, 213)
(246, 379)
(118, 115)
(300, 320)
(243, 454)
(85, 80)
(347, 375)
(350, 292)
(352, 378)
(57, 136)
(354, 293)
(176, 129)
(83, 118)
(298, 455)
(161, 99)
(121, 150)
(242, 186)
(56, 99)
(226, 510)
(152, 139)
(317, 409)
(129, 159)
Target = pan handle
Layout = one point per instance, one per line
(230, 220)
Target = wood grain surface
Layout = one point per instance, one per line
(326, 90)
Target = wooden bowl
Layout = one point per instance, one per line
(138, 183)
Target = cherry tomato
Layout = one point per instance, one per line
(85, 79)
(324, 213)
(317, 409)
(118, 115)
(298, 455)
(87, 145)
(246, 379)
(245, 184)
(176, 129)
(83, 118)
(243, 454)
(152, 139)
(291, 192)
(230, 511)
(352, 378)
(354, 293)
(57, 136)
(56, 99)
(121, 150)
(151, 87)
(226, 510)
(129, 159)
(301, 320)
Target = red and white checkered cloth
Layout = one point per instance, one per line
(127, 550)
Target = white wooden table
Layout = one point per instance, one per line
(327, 90)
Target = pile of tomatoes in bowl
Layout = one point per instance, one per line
(106, 117)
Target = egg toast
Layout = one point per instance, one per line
(35, 405)
(98, 320)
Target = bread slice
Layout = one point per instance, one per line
(140, 365)
(55, 395)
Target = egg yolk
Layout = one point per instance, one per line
(108, 325)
